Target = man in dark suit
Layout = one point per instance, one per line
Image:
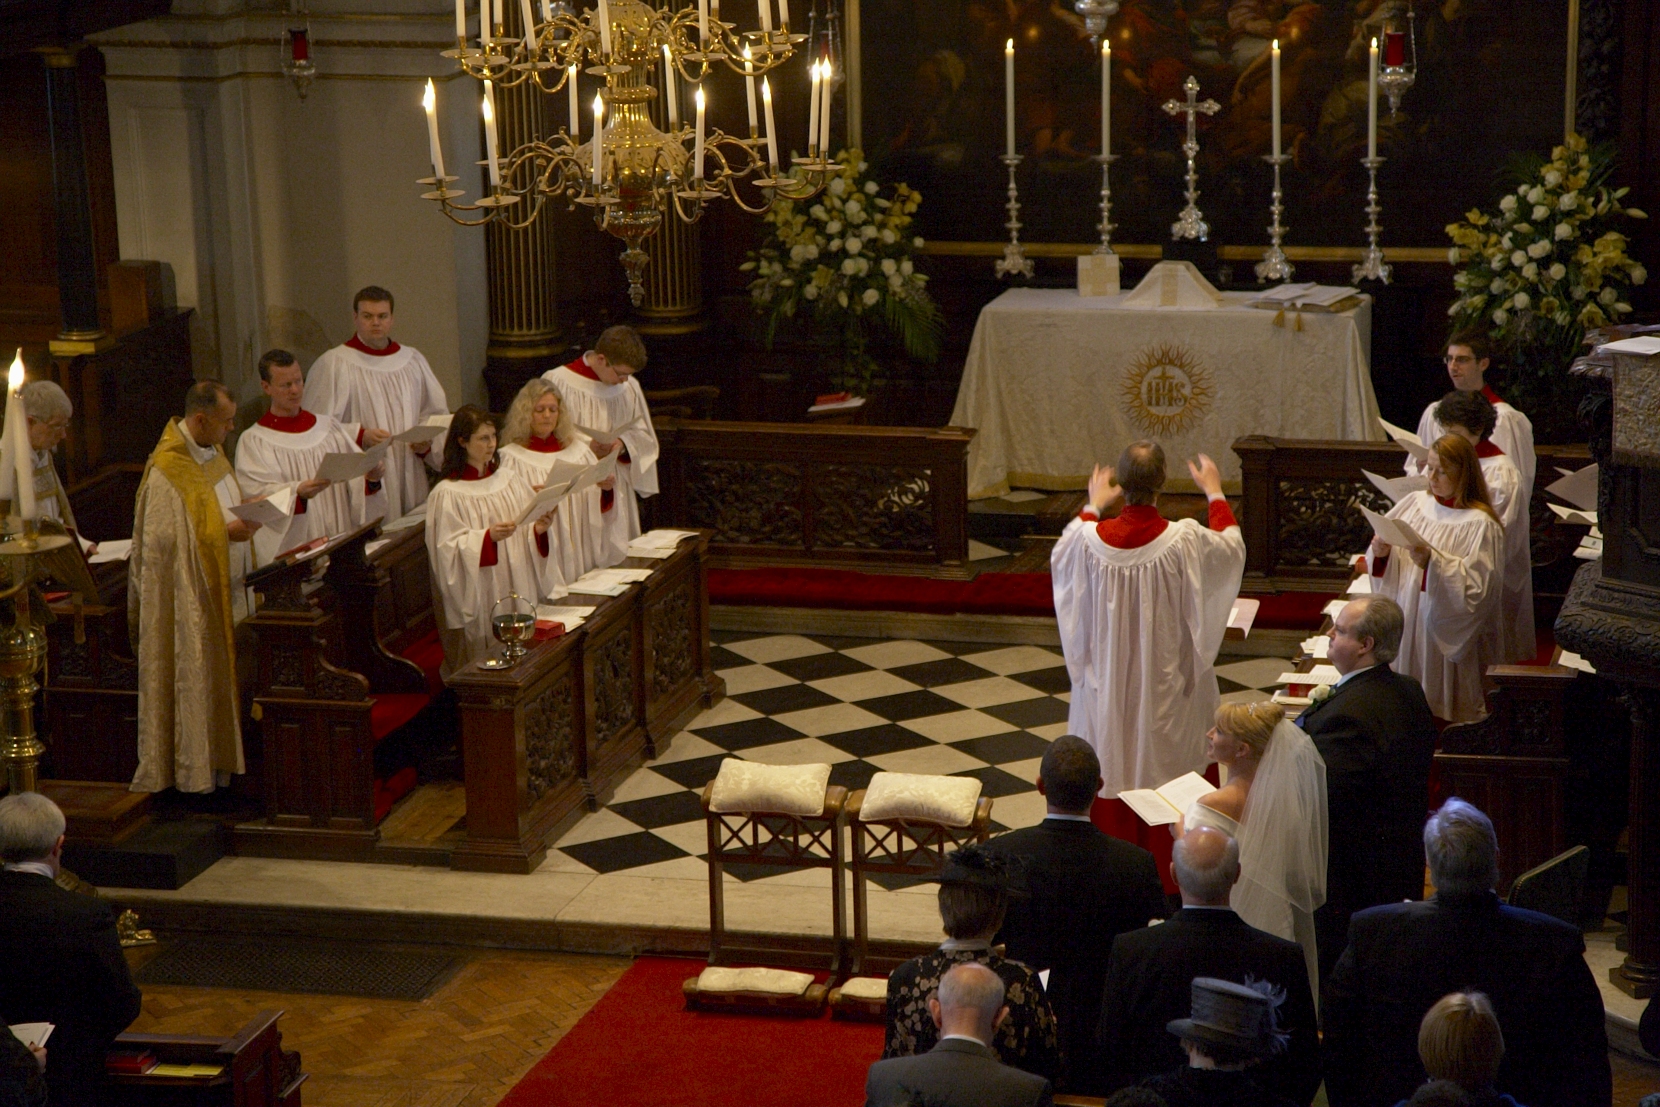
(1403, 957)
(1377, 737)
(63, 961)
(1084, 888)
(1151, 971)
(962, 1070)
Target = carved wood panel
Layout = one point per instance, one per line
(550, 740)
(873, 507)
(669, 624)
(746, 502)
(613, 688)
(1320, 524)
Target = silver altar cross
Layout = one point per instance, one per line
(1191, 224)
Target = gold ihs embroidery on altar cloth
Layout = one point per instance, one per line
(1166, 390)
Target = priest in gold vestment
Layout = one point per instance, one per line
(184, 598)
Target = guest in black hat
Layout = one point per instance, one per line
(975, 886)
(1231, 1029)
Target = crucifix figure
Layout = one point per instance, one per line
(1191, 224)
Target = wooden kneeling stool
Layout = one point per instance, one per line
(788, 816)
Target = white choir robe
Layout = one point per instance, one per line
(578, 530)
(1454, 606)
(1504, 485)
(1140, 629)
(50, 499)
(600, 407)
(391, 392)
(270, 458)
(1513, 434)
(460, 514)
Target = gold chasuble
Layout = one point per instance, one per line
(181, 617)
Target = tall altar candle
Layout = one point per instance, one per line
(772, 128)
(812, 112)
(697, 149)
(765, 8)
(490, 133)
(599, 139)
(496, 17)
(571, 94)
(1008, 96)
(671, 96)
(17, 430)
(530, 26)
(784, 15)
(461, 20)
(430, 102)
(703, 23)
(825, 90)
(749, 87)
(1372, 101)
(1274, 96)
(605, 29)
(1106, 96)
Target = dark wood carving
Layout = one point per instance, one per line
(669, 623)
(746, 503)
(874, 507)
(614, 698)
(1320, 524)
(550, 740)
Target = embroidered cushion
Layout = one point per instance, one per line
(948, 800)
(866, 987)
(743, 786)
(774, 982)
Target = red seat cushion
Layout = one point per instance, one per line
(388, 792)
(428, 653)
(392, 710)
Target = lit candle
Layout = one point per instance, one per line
(490, 133)
(1008, 96)
(749, 87)
(772, 130)
(530, 26)
(669, 95)
(697, 148)
(703, 22)
(1274, 95)
(1372, 101)
(599, 138)
(18, 431)
(812, 114)
(765, 7)
(430, 103)
(461, 20)
(825, 87)
(1106, 96)
(605, 29)
(571, 95)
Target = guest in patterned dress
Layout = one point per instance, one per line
(975, 886)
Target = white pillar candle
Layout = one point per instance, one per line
(496, 21)
(599, 139)
(571, 96)
(1008, 96)
(547, 11)
(772, 129)
(765, 8)
(812, 112)
(530, 26)
(18, 431)
(1372, 101)
(670, 96)
(697, 148)
(461, 20)
(604, 17)
(1274, 95)
(703, 23)
(825, 89)
(430, 102)
(490, 133)
(1106, 96)
(749, 87)
(784, 14)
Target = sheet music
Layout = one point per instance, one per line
(421, 432)
(1335, 608)
(339, 467)
(1394, 531)
(1414, 445)
(1320, 674)
(1318, 647)
(1396, 488)
(1360, 586)
(274, 510)
(1578, 488)
(543, 502)
(636, 423)
(116, 549)
(1570, 515)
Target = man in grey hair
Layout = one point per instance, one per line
(1376, 735)
(1403, 957)
(963, 1069)
(46, 410)
(64, 963)
(1150, 977)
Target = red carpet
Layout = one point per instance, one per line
(640, 1047)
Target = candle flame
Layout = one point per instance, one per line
(1106, 48)
(1276, 45)
(599, 107)
(746, 59)
(766, 90)
(14, 377)
(1008, 48)
(429, 99)
(489, 109)
(699, 99)
(1374, 42)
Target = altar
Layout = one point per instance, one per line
(1056, 382)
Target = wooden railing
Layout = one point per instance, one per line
(800, 494)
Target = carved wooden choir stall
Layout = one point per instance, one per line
(254, 1069)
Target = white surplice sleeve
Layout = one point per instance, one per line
(433, 402)
(1072, 572)
(454, 546)
(641, 443)
(1514, 435)
(326, 393)
(1462, 590)
(1428, 431)
(1214, 578)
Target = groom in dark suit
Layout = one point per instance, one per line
(1376, 735)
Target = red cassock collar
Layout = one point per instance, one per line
(1135, 526)
(581, 369)
(548, 445)
(1492, 397)
(469, 473)
(1485, 448)
(1444, 501)
(355, 343)
(292, 424)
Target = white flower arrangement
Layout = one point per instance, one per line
(847, 257)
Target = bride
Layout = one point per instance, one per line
(1274, 804)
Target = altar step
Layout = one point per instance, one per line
(163, 854)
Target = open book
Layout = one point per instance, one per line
(1413, 444)
(272, 511)
(1578, 488)
(1307, 296)
(562, 484)
(1168, 802)
(1320, 674)
(32, 1033)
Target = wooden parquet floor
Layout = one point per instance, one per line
(464, 1046)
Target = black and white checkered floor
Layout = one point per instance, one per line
(862, 705)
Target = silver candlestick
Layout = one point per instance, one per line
(1191, 224)
(1274, 266)
(1372, 267)
(1014, 257)
(1106, 225)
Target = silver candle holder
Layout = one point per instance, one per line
(1372, 267)
(1014, 256)
(1274, 265)
(1106, 225)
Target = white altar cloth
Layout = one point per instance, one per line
(1056, 383)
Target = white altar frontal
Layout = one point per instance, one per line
(1056, 383)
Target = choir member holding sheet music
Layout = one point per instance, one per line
(1468, 355)
(1447, 578)
(480, 546)
(542, 445)
(280, 456)
(607, 404)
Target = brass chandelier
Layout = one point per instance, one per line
(630, 172)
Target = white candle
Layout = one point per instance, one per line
(772, 130)
(669, 95)
(1106, 96)
(604, 17)
(571, 95)
(1274, 96)
(765, 8)
(490, 133)
(430, 103)
(547, 11)
(812, 113)
(496, 22)
(697, 148)
(749, 87)
(825, 88)
(784, 14)
(599, 139)
(461, 20)
(703, 22)
(18, 431)
(1008, 96)
(530, 26)
(1372, 101)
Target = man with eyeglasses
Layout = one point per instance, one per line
(1468, 355)
(47, 409)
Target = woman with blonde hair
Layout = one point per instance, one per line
(1274, 804)
(1460, 1042)
(539, 436)
(1451, 587)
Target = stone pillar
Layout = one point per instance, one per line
(77, 262)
